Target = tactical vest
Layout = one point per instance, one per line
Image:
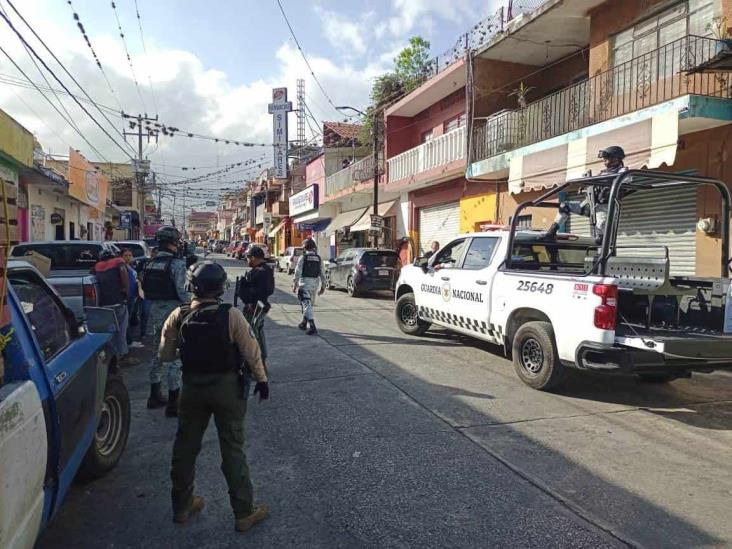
(157, 282)
(205, 343)
(311, 266)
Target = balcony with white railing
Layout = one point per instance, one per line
(438, 152)
(348, 177)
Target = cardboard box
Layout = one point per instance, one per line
(39, 261)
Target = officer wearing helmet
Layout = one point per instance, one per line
(220, 355)
(594, 196)
(309, 281)
(164, 285)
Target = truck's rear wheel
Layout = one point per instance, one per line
(535, 356)
(110, 437)
(407, 318)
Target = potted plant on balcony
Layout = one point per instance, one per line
(521, 93)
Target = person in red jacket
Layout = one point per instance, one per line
(114, 284)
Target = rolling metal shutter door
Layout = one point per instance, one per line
(441, 223)
(665, 217)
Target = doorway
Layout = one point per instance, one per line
(59, 232)
(72, 231)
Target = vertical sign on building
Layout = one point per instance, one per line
(279, 108)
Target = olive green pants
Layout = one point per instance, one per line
(201, 397)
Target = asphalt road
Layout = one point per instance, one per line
(376, 439)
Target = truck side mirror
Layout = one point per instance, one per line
(101, 320)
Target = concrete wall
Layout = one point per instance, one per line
(496, 80)
(404, 133)
(43, 203)
(315, 174)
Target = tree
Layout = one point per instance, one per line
(411, 68)
(412, 64)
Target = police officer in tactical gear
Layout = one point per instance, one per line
(309, 276)
(164, 284)
(596, 197)
(220, 355)
(255, 287)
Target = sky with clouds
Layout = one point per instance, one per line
(209, 67)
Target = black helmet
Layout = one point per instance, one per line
(612, 152)
(255, 251)
(167, 233)
(309, 245)
(206, 279)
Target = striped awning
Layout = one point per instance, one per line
(649, 143)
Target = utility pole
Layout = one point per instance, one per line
(141, 166)
(375, 127)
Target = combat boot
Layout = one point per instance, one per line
(313, 330)
(183, 516)
(156, 400)
(171, 410)
(303, 325)
(259, 513)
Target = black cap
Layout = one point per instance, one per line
(255, 251)
(206, 279)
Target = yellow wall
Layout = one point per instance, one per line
(15, 140)
(477, 209)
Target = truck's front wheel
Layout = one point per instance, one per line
(407, 318)
(535, 356)
(110, 437)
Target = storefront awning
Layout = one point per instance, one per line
(278, 228)
(386, 209)
(345, 219)
(648, 143)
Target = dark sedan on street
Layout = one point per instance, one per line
(359, 270)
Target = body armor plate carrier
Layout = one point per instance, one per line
(205, 343)
(157, 282)
(311, 266)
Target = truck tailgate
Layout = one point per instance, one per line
(714, 348)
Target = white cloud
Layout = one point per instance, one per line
(342, 32)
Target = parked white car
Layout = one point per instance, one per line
(287, 260)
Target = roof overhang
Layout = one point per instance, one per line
(433, 90)
(551, 32)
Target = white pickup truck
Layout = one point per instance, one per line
(554, 303)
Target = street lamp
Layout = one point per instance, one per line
(374, 129)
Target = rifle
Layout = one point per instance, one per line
(236, 290)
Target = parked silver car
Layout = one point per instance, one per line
(287, 260)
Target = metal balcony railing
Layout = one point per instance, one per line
(439, 151)
(363, 170)
(660, 75)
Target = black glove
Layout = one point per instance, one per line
(262, 388)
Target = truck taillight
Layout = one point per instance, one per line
(90, 295)
(361, 267)
(606, 313)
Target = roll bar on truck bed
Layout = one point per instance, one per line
(633, 180)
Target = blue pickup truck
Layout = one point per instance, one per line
(64, 408)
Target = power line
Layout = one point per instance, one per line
(50, 102)
(144, 49)
(297, 43)
(80, 25)
(127, 52)
(25, 42)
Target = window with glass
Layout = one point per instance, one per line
(427, 136)
(480, 253)
(44, 314)
(448, 256)
(654, 44)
